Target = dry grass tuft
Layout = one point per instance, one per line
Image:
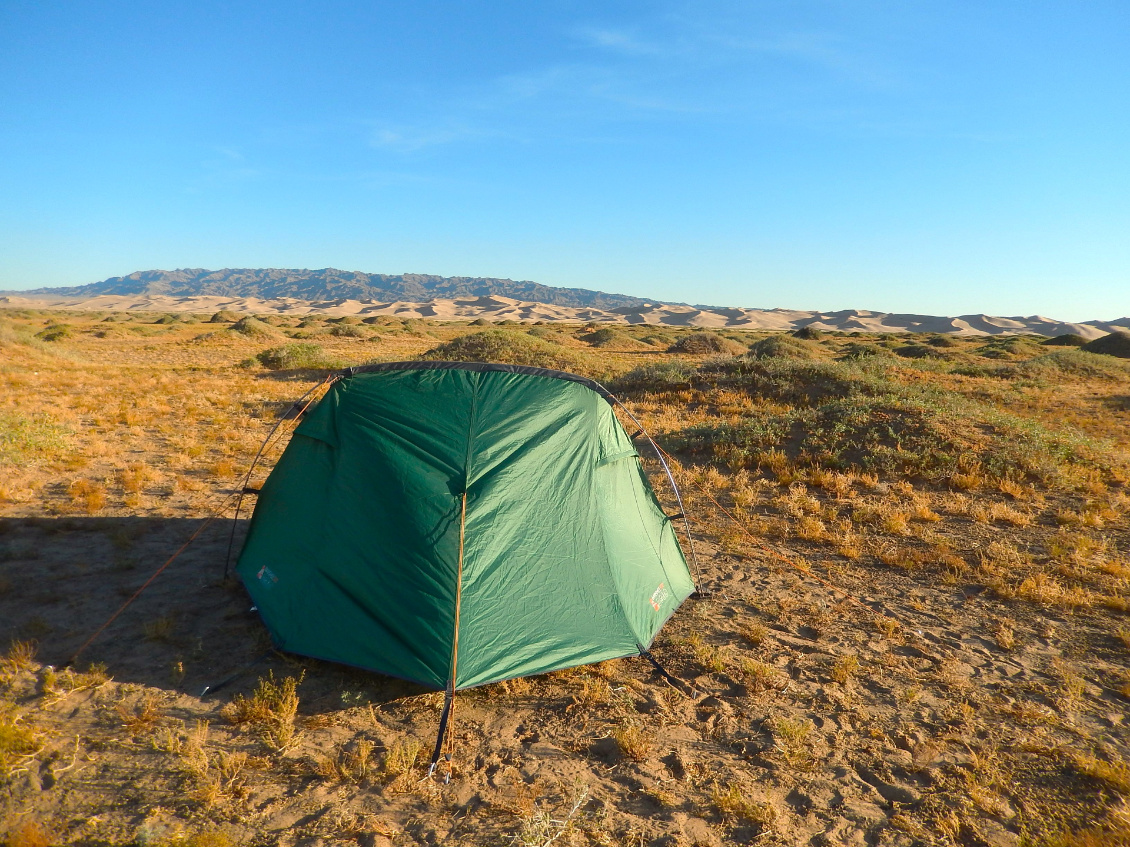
(88, 494)
(733, 804)
(271, 709)
(633, 742)
(142, 717)
(29, 833)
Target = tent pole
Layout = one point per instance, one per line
(329, 380)
(449, 695)
(659, 454)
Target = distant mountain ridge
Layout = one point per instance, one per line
(333, 284)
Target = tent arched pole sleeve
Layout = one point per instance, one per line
(612, 398)
(328, 381)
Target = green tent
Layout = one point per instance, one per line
(458, 524)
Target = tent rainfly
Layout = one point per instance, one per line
(458, 524)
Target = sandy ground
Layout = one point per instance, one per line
(910, 704)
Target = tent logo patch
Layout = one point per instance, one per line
(267, 577)
(661, 594)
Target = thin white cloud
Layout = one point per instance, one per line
(411, 139)
(618, 41)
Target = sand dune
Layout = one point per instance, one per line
(497, 308)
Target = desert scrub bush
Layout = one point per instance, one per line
(855, 415)
(348, 764)
(17, 742)
(603, 337)
(271, 709)
(1115, 775)
(507, 347)
(1068, 364)
(20, 657)
(400, 759)
(88, 495)
(546, 333)
(705, 343)
(302, 356)
(253, 328)
(732, 803)
(350, 331)
(55, 332)
(783, 347)
(633, 741)
(659, 377)
(1117, 343)
(844, 669)
(57, 685)
(30, 438)
(792, 737)
(29, 833)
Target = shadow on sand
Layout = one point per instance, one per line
(63, 578)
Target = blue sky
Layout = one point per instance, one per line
(933, 157)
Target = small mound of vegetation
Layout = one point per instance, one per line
(253, 328)
(1116, 344)
(303, 356)
(603, 337)
(55, 332)
(808, 333)
(346, 320)
(783, 347)
(506, 347)
(1009, 347)
(480, 322)
(919, 351)
(859, 350)
(942, 341)
(856, 415)
(1068, 339)
(166, 320)
(350, 331)
(1072, 364)
(705, 343)
(224, 316)
(546, 333)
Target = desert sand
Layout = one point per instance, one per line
(503, 308)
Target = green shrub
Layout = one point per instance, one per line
(704, 343)
(1116, 344)
(253, 328)
(919, 351)
(546, 333)
(1068, 339)
(349, 331)
(507, 347)
(224, 317)
(301, 356)
(602, 337)
(856, 414)
(1074, 364)
(783, 347)
(55, 332)
(942, 341)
